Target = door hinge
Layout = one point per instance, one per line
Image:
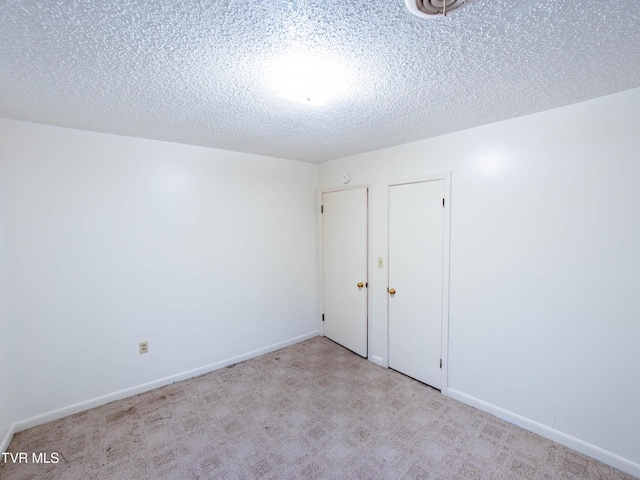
(323, 317)
(443, 203)
(440, 363)
(321, 208)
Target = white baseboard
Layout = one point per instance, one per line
(128, 392)
(576, 444)
(4, 444)
(377, 360)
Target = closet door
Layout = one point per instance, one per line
(416, 255)
(344, 243)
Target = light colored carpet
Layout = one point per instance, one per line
(312, 410)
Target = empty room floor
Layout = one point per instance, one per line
(311, 410)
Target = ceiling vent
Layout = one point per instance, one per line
(433, 8)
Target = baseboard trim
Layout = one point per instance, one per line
(7, 438)
(576, 444)
(377, 360)
(145, 387)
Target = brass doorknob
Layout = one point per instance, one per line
(392, 291)
(360, 284)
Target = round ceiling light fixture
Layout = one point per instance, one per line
(433, 8)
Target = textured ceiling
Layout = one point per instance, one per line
(200, 71)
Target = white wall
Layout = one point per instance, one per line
(6, 411)
(111, 240)
(545, 262)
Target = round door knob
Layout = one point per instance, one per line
(392, 291)
(360, 284)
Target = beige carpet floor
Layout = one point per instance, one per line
(311, 410)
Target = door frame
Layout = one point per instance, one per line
(320, 255)
(446, 176)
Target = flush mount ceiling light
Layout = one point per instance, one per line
(433, 8)
(308, 78)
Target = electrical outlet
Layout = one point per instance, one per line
(144, 347)
(379, 262)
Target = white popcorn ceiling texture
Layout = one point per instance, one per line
(197, 71)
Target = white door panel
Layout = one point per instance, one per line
(416, 253)
(344, 232)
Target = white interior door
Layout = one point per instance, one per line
(416, 255)
(344, 241)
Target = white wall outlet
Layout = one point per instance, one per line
(379, 262)
(144, 347)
